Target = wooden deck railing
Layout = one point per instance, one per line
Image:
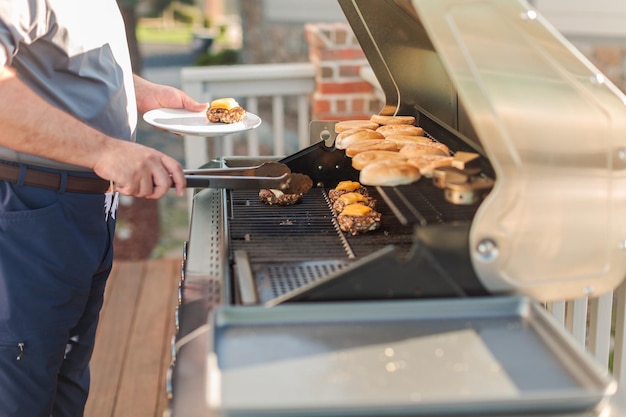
(598, 324)
(252, 85)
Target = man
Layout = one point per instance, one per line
(68, 109)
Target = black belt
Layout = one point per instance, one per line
(53, 181)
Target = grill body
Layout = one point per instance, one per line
(485, 76)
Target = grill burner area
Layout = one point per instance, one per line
(288, 247)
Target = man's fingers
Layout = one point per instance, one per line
(176, 175)
(140, 171)
(192, 105)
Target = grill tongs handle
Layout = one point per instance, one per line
(270, 175)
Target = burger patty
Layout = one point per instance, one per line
(233, 115)
(279, 199)
(359, 224)
(339, 205)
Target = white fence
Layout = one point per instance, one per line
(598, 324)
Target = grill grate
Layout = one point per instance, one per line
(302, 232)
(422, 203)
(289, 247)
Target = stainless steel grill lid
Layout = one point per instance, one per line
(554, 128)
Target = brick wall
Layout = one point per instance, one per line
(269, 42)
(341, 94)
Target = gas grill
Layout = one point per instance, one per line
(437, 312)
(299, 253)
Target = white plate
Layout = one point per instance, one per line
(196, 123)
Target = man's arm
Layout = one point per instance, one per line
(31, 125)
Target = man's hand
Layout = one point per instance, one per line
(139, 171)
(152, 96)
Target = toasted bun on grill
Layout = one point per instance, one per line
(349, 132)
(402, 140)
(414, 150)
(346, 140)
(388, 110)
(371, 145)
(428, 163)
(360, 160)
(355, 124)
(400, 129)
(389, 173)
(225, 110)
(392, 120)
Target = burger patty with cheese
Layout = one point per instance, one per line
(346, 187)
(358, 218)
(353, 198)
(225, 110)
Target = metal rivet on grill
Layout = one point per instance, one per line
(598, 79)
(529, 15)
(487, 249)
(588, 291)
(621, 153)
(622, 244)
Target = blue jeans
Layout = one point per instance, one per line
(55, 257)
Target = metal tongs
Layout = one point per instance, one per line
(269, 175)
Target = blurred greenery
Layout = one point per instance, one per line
(225, 57)
(177, 35)
(158, 6)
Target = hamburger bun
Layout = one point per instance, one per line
(428, 163)
(388, 110)
(402, 140)
(355, 124)
(346, 140)
(389, 173)
(414, 150)
(360, 160)
(371, 145)
(392, 120)
(349, 132)
(399, 129)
